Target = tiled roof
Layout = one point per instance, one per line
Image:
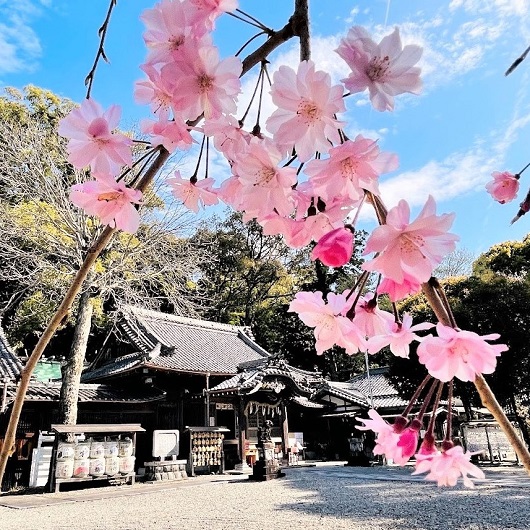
(256, 374)
(378, 387)
(87, 393)
(173, 343)
(116, 366)
(345, 391)
(10, 366)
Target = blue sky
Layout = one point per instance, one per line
(469, 121)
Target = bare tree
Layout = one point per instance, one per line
(458, 263)
(44, 240)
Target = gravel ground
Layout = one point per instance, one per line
(308, 498)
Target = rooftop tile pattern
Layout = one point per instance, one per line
(10, 365)
(87, 393)
(181, 344)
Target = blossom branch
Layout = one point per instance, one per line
(260, 54)
(302, 29)
(490, 402)
(437, 299)
(102, 32)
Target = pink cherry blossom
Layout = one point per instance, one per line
(399, 337)
(410, 249)
(230, 192)
(172, 134)
(228, 136)
(156, 91)
(351, 168)
(370, 319)
(331, 327)
(408, 443)
(92, 142)
(109, 200)
(397, 291)
(459, 353)
(209, 10)
(504, 186)
(204, 84)
(386, 69)
(169, 28)
(387, 438)
(265, 185)
(307, 104)
(193, 194)
(335, 248)
(447, 467)
(310, 223)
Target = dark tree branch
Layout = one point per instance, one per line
(102, 32)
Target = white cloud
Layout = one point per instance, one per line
(19, 44)
(459, 173)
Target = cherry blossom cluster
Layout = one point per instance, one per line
(399, 442)
(299, 175)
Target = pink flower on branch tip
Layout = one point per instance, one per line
(504, 186)
(331, 326)
(445, 468)
(172, 134)
(205, 84)
(193, 194)
(170, 28)
(459, 353)
(351, 168)
(398, 290)
(335, 248)
(307, 105)
(209, 10)
(397, 442)
(92, 140)
(410, 249)
(386, 69)
(112, 202)
(399, 337)
(265, 185)
(370, 319)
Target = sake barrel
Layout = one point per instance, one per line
(81, 468)
(111, 448)
(64, 468)
(65, 451)
(125, 447)
(96, 467)
(126, 464)
(97, 449)
(112, 465)
(82, 451)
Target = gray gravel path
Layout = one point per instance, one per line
(322, 497)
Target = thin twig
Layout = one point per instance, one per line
(102, 32)
(517, 62)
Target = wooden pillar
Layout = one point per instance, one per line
(207, 401)
(285, 429)
(242, 427)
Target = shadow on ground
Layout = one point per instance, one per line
(367, 495)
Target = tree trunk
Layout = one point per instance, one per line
(71, 370)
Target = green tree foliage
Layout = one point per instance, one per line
(245, 270)
(45, 238)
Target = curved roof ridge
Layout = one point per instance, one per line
(141, 311)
